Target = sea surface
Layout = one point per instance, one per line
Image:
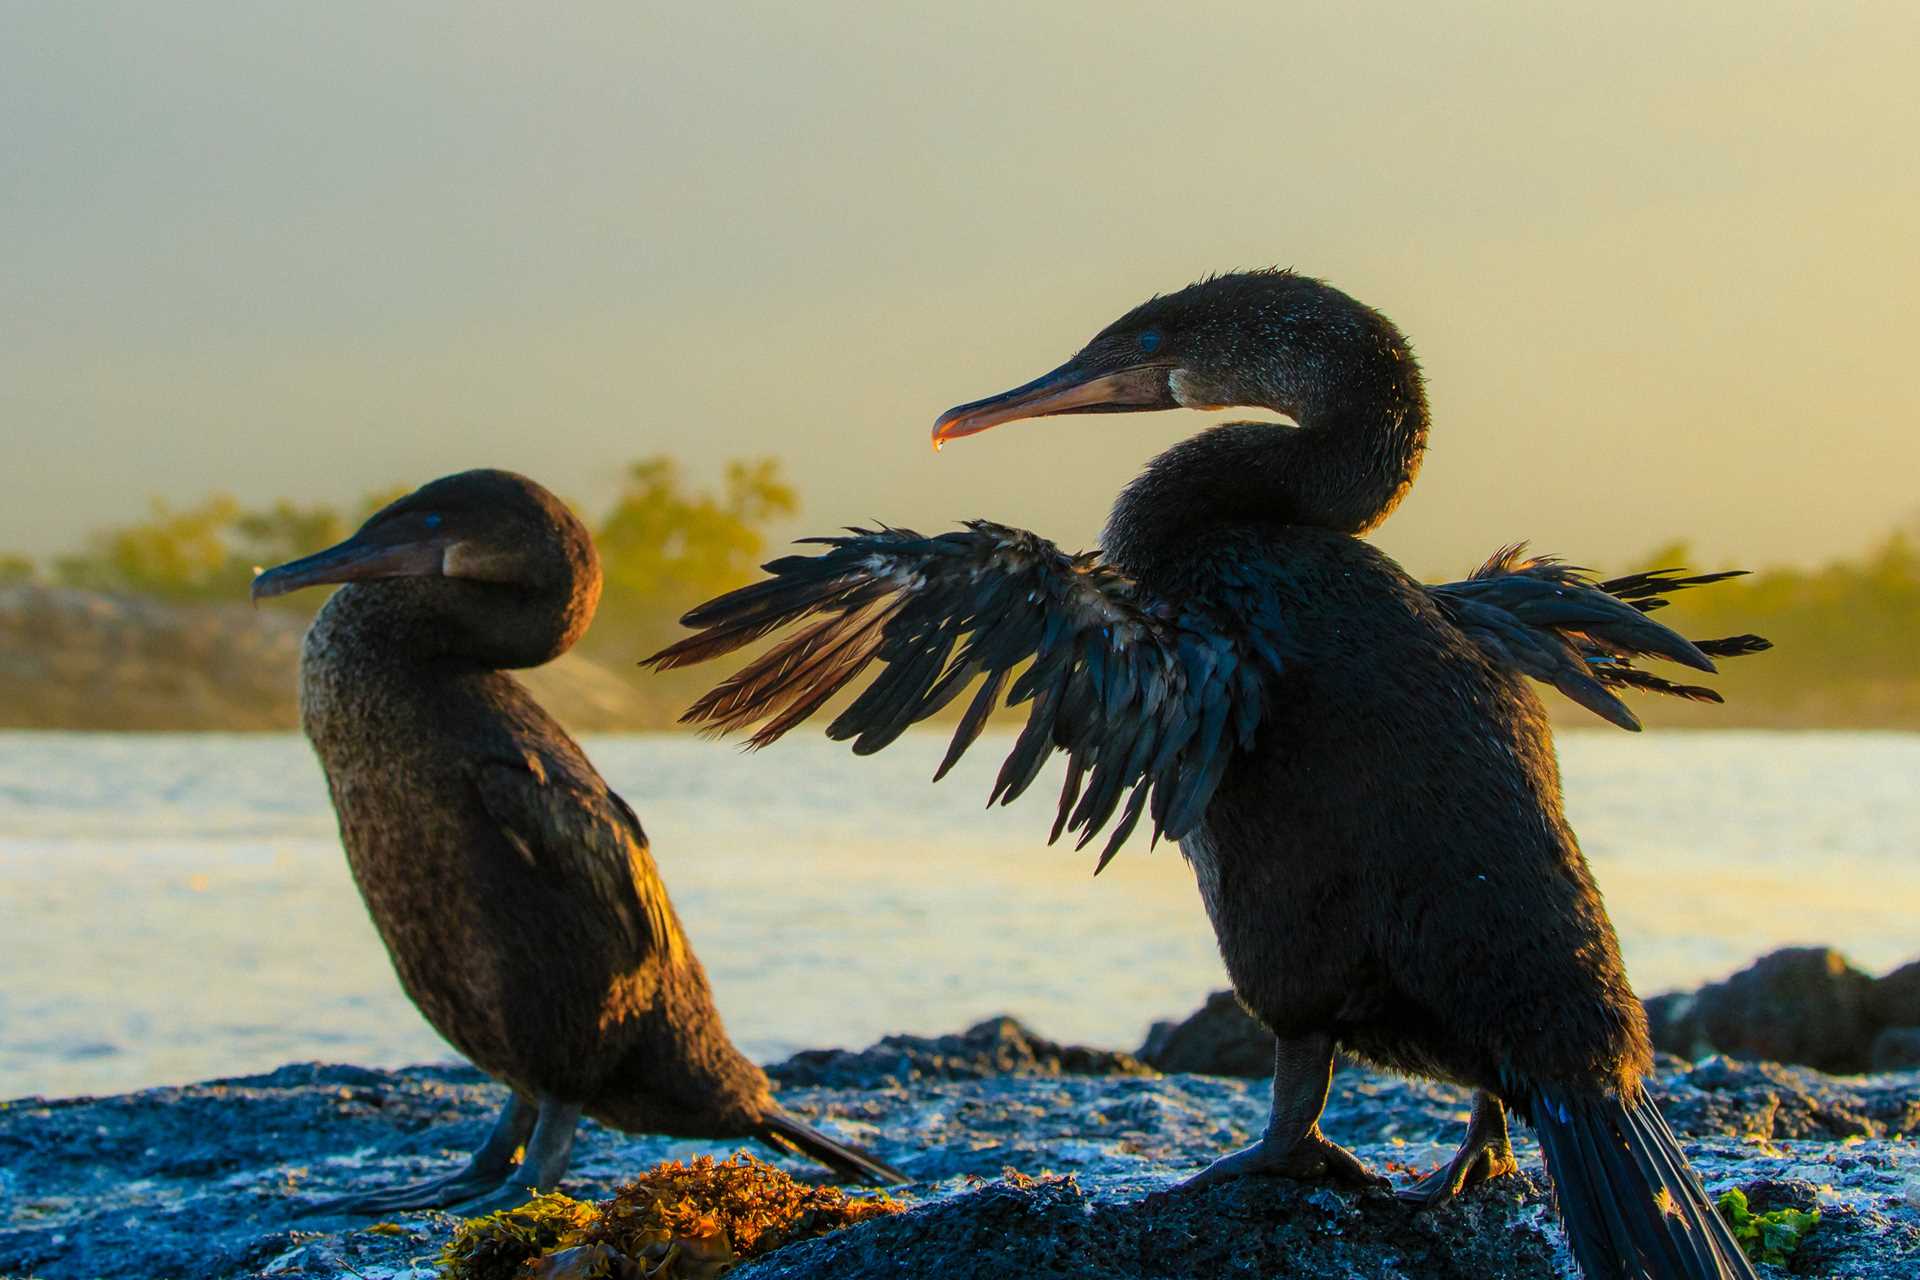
(176, 907)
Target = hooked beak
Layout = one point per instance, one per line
(1068, 389)
(358, 559)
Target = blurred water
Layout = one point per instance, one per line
(177, 907)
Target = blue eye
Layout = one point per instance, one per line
(432, 520)
(1150, 341)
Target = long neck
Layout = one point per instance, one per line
(1363, 429)
(428, 625)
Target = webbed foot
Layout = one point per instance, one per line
(492, 1180)
(483, 1173)
(435, 1193)
(1312, 1157)
(510, 1194)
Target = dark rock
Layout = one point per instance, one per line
(1895, 1001)
(1801, 1004)
(1833, 1249)
(1769, 1195)
(1156, 1042)
(1896, 1049)
(1673, 1021)
(997, 1047)
(207, 1180)
(1256, 1227)
(1219, 1039)
(1773, 1101)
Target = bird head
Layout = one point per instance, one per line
(1268, 339)
(489, 551)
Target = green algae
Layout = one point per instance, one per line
(1767, 1237)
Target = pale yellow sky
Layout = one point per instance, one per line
(1659, 261)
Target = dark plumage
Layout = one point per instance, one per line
(1354, 763)
(514, 890)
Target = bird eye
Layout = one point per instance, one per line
(431, 520)
(1150, 341)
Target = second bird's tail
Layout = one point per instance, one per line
(784, 1133)
(1632, 1208)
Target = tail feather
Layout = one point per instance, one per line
(1632, 1208)
(784, 1133)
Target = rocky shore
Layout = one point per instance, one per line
(1809, 1006)
(1801, 1004)
(1032, 1159)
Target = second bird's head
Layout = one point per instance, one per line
(1253, 339)
(488, 553)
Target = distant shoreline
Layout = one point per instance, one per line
(79, 660)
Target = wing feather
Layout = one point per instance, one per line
(577, 830)
(1552, 622)
(1148, 705)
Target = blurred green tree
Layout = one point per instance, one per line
(665, 547)
(183, 554)
(207, 552)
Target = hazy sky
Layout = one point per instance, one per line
(1660, 262)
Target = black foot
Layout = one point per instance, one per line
(435, 1193)
(491, 1181)
(1314, 1157)
(1484, 1155)
(510, 1194)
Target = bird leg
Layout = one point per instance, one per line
(1484, 1154)
(483, 1173)
(1293, 1145)
(549, 1151)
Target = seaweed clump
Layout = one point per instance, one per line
(675, 1222)
(1766, 1237)
(499, 1245)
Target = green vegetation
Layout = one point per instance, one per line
(206, 552)
(1767, 1237)
(664, 548)
(674, 1222)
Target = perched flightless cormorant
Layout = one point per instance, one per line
(1354, 763)
(514, 890)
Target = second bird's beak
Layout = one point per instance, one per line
(1072, 388)
(358, 559)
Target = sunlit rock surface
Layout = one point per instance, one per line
(1028, 1166)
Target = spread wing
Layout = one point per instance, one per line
(1148, 701)
(1552, 622)
(578, 831)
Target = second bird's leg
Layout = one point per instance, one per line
(492, 1162)
(1293, 1145)
(1485, 1154)
(549, 1151)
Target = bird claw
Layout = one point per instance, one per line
(1467, 1169)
